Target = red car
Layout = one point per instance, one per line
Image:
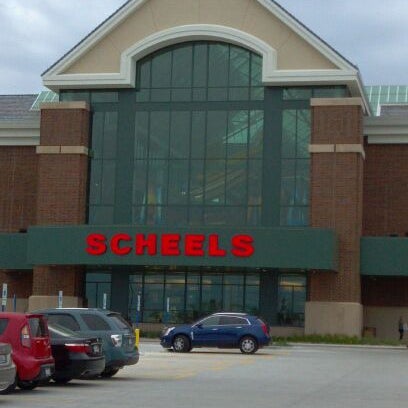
(30, 341)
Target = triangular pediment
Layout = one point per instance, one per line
(292, 53)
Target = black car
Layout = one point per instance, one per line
(75, 356)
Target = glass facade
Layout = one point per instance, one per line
(200, 142)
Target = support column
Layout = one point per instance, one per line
(334, 302)
(61, 194)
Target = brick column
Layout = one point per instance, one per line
(61, 194)
(334, 303)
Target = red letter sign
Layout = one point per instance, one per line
(213, 249)
(170, 244)
(115, 244)
(150, 242)
(193, 245)
(96, 244)
(242, 246)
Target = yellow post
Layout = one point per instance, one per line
(137, 334)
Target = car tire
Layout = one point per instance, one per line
(109, 372)
(27, 385)
(9, 389)
(181, 344)
(248, 345)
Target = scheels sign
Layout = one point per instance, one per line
(122, 244)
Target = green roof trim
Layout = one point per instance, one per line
(384, 256)
(13, 251)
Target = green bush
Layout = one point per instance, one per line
(334, 339)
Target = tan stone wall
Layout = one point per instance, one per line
(345, 318)
(157, 15)
(45, 302)
(385, 321)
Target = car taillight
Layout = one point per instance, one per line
(78, 348)
(264, 328)
(116, 340)
(25, 337)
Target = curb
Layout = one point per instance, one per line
(358, 346)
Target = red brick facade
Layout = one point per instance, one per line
(18, 186)
(336, 198)
(62, 189)
(386, 190)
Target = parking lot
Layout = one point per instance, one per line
(301, 376)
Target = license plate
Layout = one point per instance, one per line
(48, 372)
(3, 359)
(95, 349)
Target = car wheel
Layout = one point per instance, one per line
(9, 389)
(181, 344)
(248, 345)
(27, 385)
(109, 372)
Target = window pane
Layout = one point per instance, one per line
(197, 182)
(215, 182)
(182, 66)
(198, 135)
(289, 134)
(256, 134)
(180, 135)
(237, 137)
(153, 296)
(159, 134)
(288, 182)
(236, 182)
(178, 182)
(233, 298)
(161, 70)
(239, 67)
(141, 135)
(139, 182)
(218, 65)
(303, 132)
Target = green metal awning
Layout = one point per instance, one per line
(384, 256)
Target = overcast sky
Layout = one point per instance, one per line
(35, 33)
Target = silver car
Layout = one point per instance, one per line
(7, 369)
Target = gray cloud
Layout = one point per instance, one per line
(36, 33)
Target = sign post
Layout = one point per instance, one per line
(105, 301)
(60, 296)
(4, 297)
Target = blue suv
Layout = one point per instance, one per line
(223, 330)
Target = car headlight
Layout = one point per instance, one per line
(168, 331)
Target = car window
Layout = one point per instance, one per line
(58, 331)
(211, 321)
(37, 327)
(232, 320)
(3, 325)
(120, 321)
(64, 320)
(95, 322)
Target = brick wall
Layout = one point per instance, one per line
(62, 190)
(336, 199)
(386, 190)
(385, 291)
(18, 186)
(19, 282)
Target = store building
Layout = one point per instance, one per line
(204, 156)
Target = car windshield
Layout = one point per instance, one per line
(56, 331)
(120, 321)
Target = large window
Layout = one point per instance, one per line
(198, 141)
(291, 300)
(176, 297)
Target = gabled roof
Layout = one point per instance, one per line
(122, 11)
(58, 75)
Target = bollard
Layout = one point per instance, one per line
(137, 334)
